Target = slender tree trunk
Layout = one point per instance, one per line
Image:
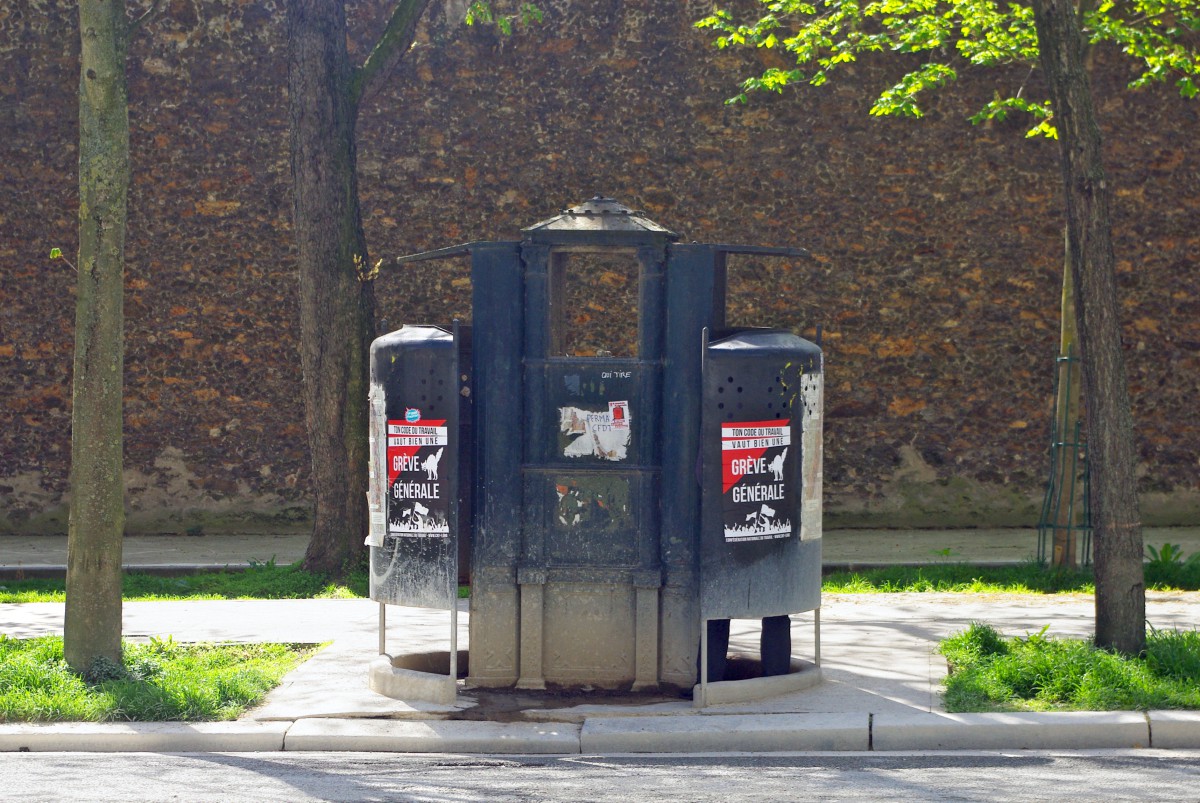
(1069, 509)
(336, 300)
(92, 627)
(1120, 585)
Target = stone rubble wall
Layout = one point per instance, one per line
(936, 272)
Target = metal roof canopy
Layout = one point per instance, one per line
(601, 222)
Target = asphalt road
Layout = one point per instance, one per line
(1097, 775)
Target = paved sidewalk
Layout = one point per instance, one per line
(880, 688)
(880, 675)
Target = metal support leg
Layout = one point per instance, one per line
(817, 635)
(382, 628)
(454, 635)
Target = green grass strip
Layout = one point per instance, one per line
(158, 681)
(1024, 578)
(989, 672)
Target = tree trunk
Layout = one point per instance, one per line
(1120, 585)
(92, 626)
(336, 300)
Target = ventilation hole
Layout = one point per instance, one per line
(721, 406)
(720, 388)
(769, 405)
(730, 379)
(770, 390)
(739, 390)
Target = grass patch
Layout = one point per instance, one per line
(1025, 578)
(158, 681)
(989, 672)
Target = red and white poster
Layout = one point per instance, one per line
(418, 487)
(757, 497)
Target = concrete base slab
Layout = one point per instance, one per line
(432, 737)
(725, 733)
(1175, 729)
(384, 677)
(144, 737)
(1052, 730)
(803, 676)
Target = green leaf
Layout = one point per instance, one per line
(56, 253)
(1159, 36)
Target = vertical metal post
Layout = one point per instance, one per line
(454, 635)
(700, 584)
(454, 521)
(382, 628)
(817, 634)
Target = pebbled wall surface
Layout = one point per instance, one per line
(936, 272)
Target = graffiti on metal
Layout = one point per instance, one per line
(596, 433)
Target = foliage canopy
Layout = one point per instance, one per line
(824, 34)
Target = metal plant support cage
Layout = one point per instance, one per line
(1068, 468)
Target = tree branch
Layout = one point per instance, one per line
(145, 17)
(393, 43)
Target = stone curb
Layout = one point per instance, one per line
(442, 736)
(693, 733)
(726, 733)
(144, 737)
(1175, 729)
(1060, 730)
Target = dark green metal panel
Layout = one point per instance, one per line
(416, 370)
(498, 321)
(690, 308)
(753, 561)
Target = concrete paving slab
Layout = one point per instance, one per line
(1175, 729)
(333, 683)
(139, 552)
(748, 733)
(144, 737)
(1055, 730)
(433, 737)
